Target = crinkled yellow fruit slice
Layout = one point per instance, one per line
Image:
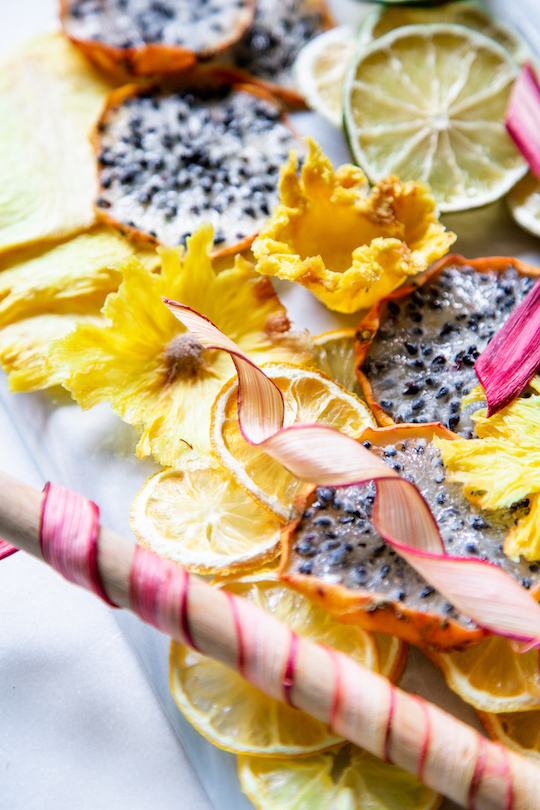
(199, 517)
(50, 97)
(309, 397)
(238, 717)
(349, 779)
(524, 203)
(428, 102)
(320, 68)
(348, 245)
(492, 677)
(519, 731)
(470, 14)
(334, 356)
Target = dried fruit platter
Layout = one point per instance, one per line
(93, 452)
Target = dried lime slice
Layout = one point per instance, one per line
(524, 204)
(427, 102)
(470, 14)
(319, 71)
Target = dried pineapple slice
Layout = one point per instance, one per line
(350, 247)
(156, 377)
(502, 467)
(49, 100)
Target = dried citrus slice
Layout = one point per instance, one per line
(238, 717)
(334, 355)
(199, 517)
(320, 69)
(427, 102)
(349, 779)
(519, 731)
(309, 397)
(524, 203)
(470, 14)
(492, 677)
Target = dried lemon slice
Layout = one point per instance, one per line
(319, 71)
(349, 779)
(309, 397)
(236, 716)
(492, 677)
(334, 355)
(427, 102)
(199, 517)
(524, 203)
(519, 731)
(470, 14)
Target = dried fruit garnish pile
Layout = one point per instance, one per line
(176, 181)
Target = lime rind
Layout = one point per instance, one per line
(417, 115)
(461, 12)
(324, 97)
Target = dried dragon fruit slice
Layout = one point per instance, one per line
(416, 349)
(211, 153)
(143, 37)
(334, 555)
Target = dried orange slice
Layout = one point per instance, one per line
(519, 731)
(492, 677)
(348, 779)
(309, 397)
(333, 353)
(199, 517)
(236, 716)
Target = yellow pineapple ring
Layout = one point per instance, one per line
(348, 779)
(199, 517)
(492, 677)
(309, 397)
(347, 245)
(236, 716)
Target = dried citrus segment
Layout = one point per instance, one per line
(334, 355)
(238, 717)
(348, 245)
(320, 69)
(309, 397)
(49, 99)
(349, 779)
(392, 655)
(428, 102)
(492, 677)
(199, 517)
(470, 14)
(519, 731)
(524, 203)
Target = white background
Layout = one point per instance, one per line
(80, 728)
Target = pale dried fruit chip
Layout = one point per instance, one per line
(235, 715)
(349, 779)
(348, 245)
(49, 100)
(199, 517)
(150, 370)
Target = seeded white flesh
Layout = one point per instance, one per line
(524, 204)
(421, 361)
(202, 26)
(280, 30)
(168, 163)
(470, 14)
(337, 542)
(428, 103)
(320, 68)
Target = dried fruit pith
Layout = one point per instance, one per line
(170, 161)
(336, 556)
(154, 36)
(280, 30)
(417, 350)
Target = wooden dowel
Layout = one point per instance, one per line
(451, 757)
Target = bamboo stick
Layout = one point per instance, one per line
(449, 756)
